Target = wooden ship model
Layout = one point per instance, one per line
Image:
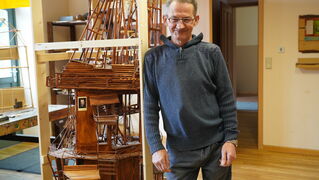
(103, 87)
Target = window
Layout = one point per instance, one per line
(9, 76)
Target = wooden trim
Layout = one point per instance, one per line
(291, 150)
(211, 21)
(308, 67)
(260, 72)
(241, 3)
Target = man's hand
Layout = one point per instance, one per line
(161, 161)
(228, 154)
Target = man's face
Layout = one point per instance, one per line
(181, 20)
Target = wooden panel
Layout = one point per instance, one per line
(8, 96)
(106, 99)
(85, 125)
(9, 53)
(11, 126)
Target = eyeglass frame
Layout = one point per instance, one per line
(181, 19)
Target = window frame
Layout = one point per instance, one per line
(14, 80)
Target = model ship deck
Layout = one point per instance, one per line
(85, 76)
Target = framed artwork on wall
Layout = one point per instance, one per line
(309, 33)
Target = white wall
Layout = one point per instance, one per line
(76, 7)
(24, 24)
(52, 11)
(291, 95)
(247, 26)
(205, 21)
(246, 49)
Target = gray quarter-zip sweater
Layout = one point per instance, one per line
(191, 87)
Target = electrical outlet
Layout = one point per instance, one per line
(268, 63)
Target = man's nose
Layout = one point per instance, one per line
(180, 24)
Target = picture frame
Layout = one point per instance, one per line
(82, 103)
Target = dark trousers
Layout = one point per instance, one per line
(185, 165)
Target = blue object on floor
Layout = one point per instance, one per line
(28, 161)
(248, 106)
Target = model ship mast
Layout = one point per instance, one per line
(104, 85)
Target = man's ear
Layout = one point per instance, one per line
(165, 20)
(196, 20)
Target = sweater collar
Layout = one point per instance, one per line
(195, 40)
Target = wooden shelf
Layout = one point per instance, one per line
(308, 63)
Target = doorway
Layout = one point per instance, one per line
(235, 30)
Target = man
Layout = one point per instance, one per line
(187, 80)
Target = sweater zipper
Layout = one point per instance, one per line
(180, 52)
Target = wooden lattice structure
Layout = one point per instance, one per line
(104, 89)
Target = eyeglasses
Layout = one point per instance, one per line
(186, 20)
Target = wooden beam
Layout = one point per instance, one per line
(42, 91)
(43, 57)
(87, 44)
(9, 53)
(143, 47)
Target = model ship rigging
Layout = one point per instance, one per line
(104, 85)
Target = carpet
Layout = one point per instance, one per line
(247, 106)
(6, 143)
(28, 161)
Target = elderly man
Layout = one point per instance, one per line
(187, 80)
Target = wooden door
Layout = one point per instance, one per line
(227, 38)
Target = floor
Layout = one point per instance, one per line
(11, 151)
(13, 175)
(254, 164)
(251, 163)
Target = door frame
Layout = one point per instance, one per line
(216, 40)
